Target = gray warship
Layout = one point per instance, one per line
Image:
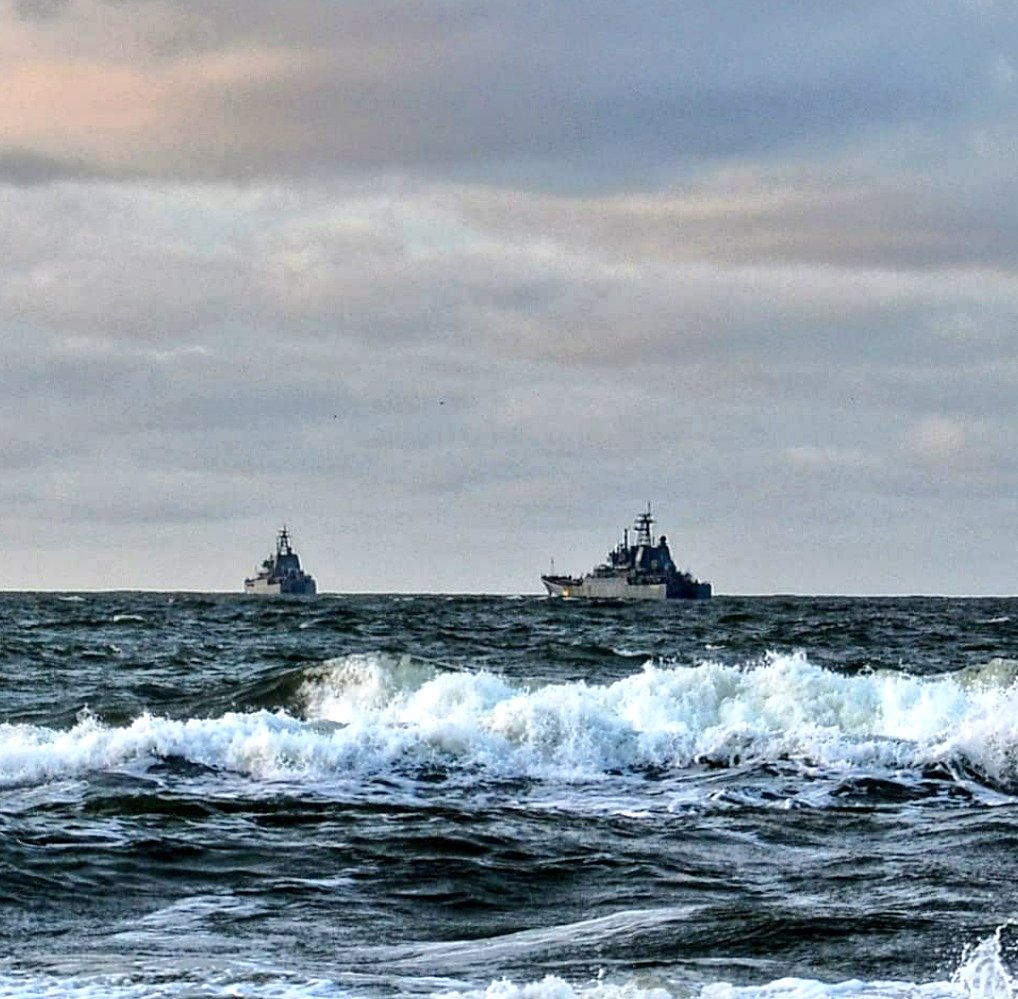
(281, 574)
(642, 570)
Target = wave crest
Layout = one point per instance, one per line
(370, 713)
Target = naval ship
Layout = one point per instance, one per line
(281, 574)
(638, 571)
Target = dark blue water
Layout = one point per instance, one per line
(371, 796)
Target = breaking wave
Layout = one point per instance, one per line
(364, 714)
(982, 975)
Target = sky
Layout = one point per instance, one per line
(454, 288)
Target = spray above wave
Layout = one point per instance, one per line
(368, 714)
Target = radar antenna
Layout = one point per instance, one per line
(283, 542)
(644, 522)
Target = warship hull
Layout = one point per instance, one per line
(597, 588)
(258, 587)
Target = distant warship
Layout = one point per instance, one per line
(639, 571)
(281, 574)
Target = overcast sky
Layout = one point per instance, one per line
(455, 287)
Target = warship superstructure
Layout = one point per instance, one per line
(280, 574)
(637, 570)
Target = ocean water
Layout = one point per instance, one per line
(752, 798)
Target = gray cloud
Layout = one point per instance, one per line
(23, 168)
(40, 9)
(518, 92)
(845, 214)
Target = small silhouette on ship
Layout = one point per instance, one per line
(641, 570)
(280, 574)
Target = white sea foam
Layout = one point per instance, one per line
(665, 715)
(982, 975)
(364, 714)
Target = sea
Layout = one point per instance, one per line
(508, 797)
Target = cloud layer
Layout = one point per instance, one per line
(499, 274)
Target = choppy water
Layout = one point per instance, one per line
(779, 798)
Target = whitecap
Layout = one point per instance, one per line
(982, 975)
(365, 714)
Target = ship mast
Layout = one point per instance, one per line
(283, 542)
(643, 525)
